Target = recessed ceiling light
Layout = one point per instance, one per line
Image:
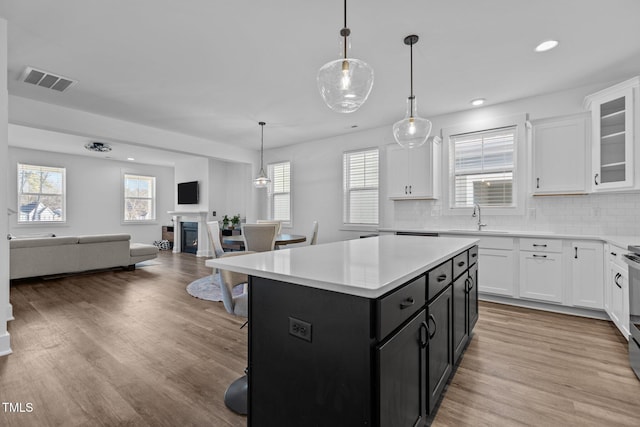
(477, 102)
(546, 45)
(130, 159)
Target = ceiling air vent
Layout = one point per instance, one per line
(99, 147)
(46, 79)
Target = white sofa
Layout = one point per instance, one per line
(43, 256)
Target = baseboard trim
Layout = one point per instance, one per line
(562, 309)
(5, 344)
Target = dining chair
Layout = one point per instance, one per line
(314, 234)
(235, 397)
(213, 228)
(270, 221)
(259, 237)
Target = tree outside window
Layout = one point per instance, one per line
(139, 198)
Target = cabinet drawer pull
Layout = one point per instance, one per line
(407, 303)
(461, 263)
(441, 278)
(473, 255)
(614, 254)
(535, 245)
(435, 326)
(424, 339)
(615, 280)
(539, 256)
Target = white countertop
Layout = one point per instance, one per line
(364, 267)
(622, 241)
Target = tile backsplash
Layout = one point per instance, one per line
(593, 214)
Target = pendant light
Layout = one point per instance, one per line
(345, 84)
(262, 180)
(412, 131)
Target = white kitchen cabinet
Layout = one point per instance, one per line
(587, 278)
(617, 289)
(612, 118)
(541, 276)
(560, 147)
(496, 274)
(414, 173)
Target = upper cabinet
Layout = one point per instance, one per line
(559, 148)
(613, 112)
(414, 173)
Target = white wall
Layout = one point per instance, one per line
(5, 306)
(317, 181)
(196, 169)
(94, 195)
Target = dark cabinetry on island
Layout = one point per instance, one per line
(325, 358)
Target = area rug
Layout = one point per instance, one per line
(208, 288)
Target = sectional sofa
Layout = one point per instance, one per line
(44, 256)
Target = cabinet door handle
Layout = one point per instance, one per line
(539, 256)
(467, 285)
(407, 303)
(435, 326)
(424, 339)
(405, 189)
(537, 182)
(535, 245)
(441, 278)
(615, 280)
(461, 263)
(409, 189)
(614, 254)
(576, 255)
(471, 283)
(595, 178)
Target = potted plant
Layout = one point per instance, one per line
(235, 221)
(225, 222)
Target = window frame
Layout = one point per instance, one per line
(519, 164)
(271, 193)
(59, 169)
(346, 174)
(124, 198)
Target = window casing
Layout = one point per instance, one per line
(483, 168)
(279, 192)
(139, 198)
(41, 194)
(361, 187)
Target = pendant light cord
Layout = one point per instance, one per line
(262, 145)
(345, 31)
(411, 98)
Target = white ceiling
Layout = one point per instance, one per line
(213, 69)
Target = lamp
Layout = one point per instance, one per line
(345, 84)
(262, 180)
(412, 131)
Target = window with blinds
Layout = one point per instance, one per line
(41, 194)
(483, 168)
(279, 192)
(139, 198)
(360, 186)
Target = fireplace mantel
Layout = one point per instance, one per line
(203, 237)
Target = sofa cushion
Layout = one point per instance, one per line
(142, 249)
(98, 238)
(42, 241)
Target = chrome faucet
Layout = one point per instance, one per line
(476, 208)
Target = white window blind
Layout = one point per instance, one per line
(360, 187)
(280, 191)
(41, 194)
(139, 198)
(483, 164)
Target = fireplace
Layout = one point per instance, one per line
(189, 241)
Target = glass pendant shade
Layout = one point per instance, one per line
(345, 84)
(262, 180)
(412, 131)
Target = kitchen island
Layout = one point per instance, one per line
(361, 332)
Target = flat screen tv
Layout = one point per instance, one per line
(188, 193)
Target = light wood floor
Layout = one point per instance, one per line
(133, 348)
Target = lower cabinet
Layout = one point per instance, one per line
(619, 291)
(541, 276)
(496, 275)
(402, 361)
(440, 351)
(587, 275)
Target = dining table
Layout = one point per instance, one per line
(281, 239)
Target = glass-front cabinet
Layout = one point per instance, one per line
(612, 153)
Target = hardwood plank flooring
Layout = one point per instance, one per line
(133, 348)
